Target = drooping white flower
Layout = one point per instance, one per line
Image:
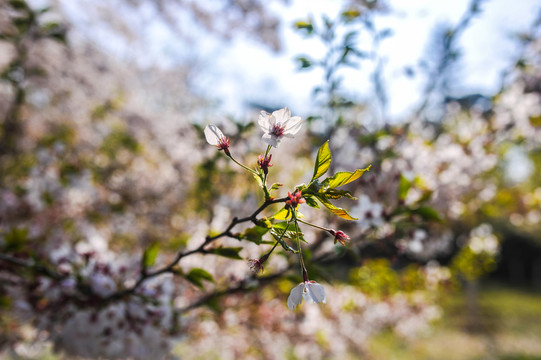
(310, 291)
(216, 137)
(277, 125)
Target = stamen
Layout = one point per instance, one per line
(278, 130)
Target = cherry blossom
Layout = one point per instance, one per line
(370, 213)
(215, 137)
(277, 125)
(311, 291)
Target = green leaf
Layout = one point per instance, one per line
(304, 25)
(427, 213)
(304, 62)
(425, 197)
(403, 187)
(197, 275)
(255, 234)
(150, 255)
(228, 252)
(335, 210)
(351, 14)
(282, 214)
(213, 303)
(290, 233)
(258, 179)
(344, 177)
(310, 201)
(535, 120)
(337, 194)
(275, 186)
(323, 161)
(18, 4)
(285, 245)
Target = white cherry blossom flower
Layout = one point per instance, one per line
(370, 214)
(216, 137)
(102, 285)
(310, 291)
(277, 125)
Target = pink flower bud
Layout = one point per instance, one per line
(339, 236)
(264, 163)
(294, 199)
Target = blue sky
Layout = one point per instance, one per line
(246, 71)
(242, 70)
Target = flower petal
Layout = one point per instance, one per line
(307, 296)
(316, 292)
(282, 115)
(264, 121)
(213, 134)
(293, 126)
(295, 296)
(271, 139)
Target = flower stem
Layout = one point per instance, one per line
(243, 166)
(269, 147)
(265, 189)
(303, 267)
(266, 256)
(313, 225)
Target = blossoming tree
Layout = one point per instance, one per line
(121, 237)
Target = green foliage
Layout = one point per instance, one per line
(334, 209)
(426, 213)
(304, 62)
(535, 120)
(279, 235)
(19, 5)
(311, 201)
(288, 229)
(118, 140)
(197, 275)
(150, 255)
(343, 177)
(228, 252)
(323, 161)
(62, 133)
(255, 234)
(306, 26)
(378, 279)
(282, 214)
(54, 31)
(325, 190)
(15, 240)
(470, 265)
(403, 187)
(102, 110)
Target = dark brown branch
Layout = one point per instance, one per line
(169, 268)
(29, 264)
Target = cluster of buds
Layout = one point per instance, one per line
(264, 163)
(294, 199)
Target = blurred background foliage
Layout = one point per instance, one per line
(104, 158)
